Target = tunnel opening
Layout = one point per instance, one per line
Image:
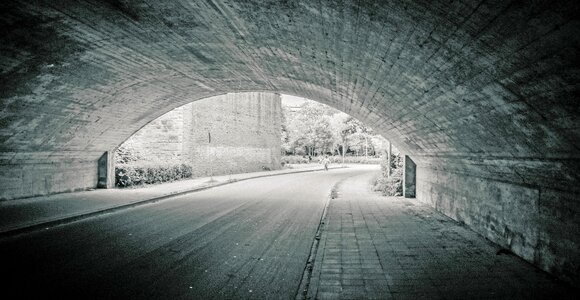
(251, 132)
(482, 95)
(222, 135)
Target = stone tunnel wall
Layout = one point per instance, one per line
(538, 223)
(34, 176)
(444, 80)
(244, 130)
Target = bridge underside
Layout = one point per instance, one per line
(483, 95)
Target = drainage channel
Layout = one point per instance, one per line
(304, 287)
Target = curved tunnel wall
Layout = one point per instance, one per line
(483, 95)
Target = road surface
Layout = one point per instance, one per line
(249, 239)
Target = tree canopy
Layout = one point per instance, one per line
(314, 128)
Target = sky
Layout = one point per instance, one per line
(288, 100)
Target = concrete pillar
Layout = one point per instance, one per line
(389, 152)
(106, 171)
(409, 178)
(188, 144)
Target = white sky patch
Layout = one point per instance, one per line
(288, 100)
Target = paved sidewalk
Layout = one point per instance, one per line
(374, 247)
(16, 215)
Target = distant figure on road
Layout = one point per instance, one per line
(325, 161)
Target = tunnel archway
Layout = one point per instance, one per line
(239, 132)
(483, 95)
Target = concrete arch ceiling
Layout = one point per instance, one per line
(487, 88)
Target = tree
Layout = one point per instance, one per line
(309, 128)
(321, 135)
(285, 143)
(359, 136)
(315, 128)
(340, 131)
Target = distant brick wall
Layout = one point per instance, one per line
(163, 138)
(244, 130)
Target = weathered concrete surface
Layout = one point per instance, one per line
(372, 247)
(106, 171)
(540, 225)
(44, 175)
(474, 91)
(409, 178)
(244, 129)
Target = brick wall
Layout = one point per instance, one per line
(164, 138)
(245, 134)
(244, 130)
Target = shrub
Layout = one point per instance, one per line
(390, 186)
(296, 159)
(133, 174)
(393, 185)
(356, 160)
(125, 155)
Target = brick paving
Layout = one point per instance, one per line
(375, 247)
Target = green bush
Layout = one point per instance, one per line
(390, 186)
(355, 160)
(393, 185)
(296, 159)
(126, 155)
(133, 175)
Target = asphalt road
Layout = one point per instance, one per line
(244, 240)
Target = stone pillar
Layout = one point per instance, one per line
(409, 178)
(187, 144)
(106, 171)
(389, 153)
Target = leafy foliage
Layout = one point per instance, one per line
(314, 129)
(309, 129)
(135, 168)
(390, 185)
(125, 155)
(133, 175)
(297, 159)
